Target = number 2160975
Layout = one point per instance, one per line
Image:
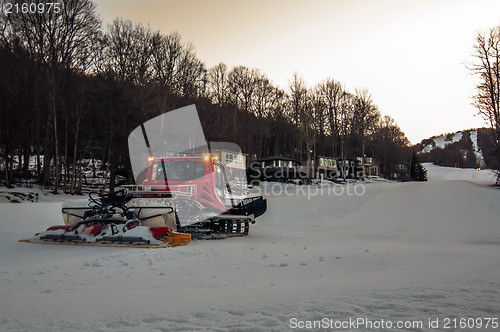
(31, 7)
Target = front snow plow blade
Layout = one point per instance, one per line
(116, 220)
(111, 235)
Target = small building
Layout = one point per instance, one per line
(230, 159)
(234, 162)
(364, 161)
(280, 169)
(229, 156)
(347, 166)
(366, 166)
(401, 172)
(327, 168)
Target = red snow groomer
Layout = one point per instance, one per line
(193, 178)
(208, 202)
(185, 194)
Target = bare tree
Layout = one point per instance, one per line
(191, 75)
(176, 68)
(265, 96)
(391, 144)
(242, 85)
(487, 98)
(345, 123)
(366, 115)
(218, 84)
(55, 40)
(167, 53)
(166, 57)
(6, 31)
(129, 51)
(487, 68)
(331, 92)
(277, 113)
(298, 103)
(319, 113)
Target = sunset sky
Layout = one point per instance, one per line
(410, 55)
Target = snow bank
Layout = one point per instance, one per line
(392, 251)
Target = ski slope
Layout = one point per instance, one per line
(381, 250)
(441, 142)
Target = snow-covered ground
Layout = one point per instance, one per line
(405, 252)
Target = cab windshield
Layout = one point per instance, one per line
(178, 170)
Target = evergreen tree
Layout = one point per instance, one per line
(417, 171)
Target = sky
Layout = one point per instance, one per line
(410, 55)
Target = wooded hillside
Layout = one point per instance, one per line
(72, 90)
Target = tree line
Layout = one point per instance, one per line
(486, 67)
(72, 90)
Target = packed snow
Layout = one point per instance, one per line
(373, 252)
